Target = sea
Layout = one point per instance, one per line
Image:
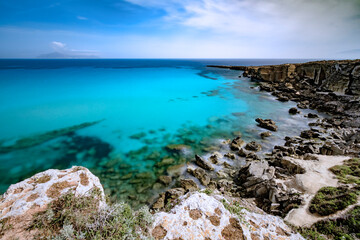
(130, 121)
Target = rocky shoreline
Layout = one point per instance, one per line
(281, 182)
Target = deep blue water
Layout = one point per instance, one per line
(162, 101)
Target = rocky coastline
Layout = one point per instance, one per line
(224, 199)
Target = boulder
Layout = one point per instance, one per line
(265, 134)
(267, 124)
(293, 110)
(253, 146)
(188, 184)
(202, 163)
(201, 174)
(236, 144)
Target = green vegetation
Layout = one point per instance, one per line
(207, 191)
(329, 200)
(346, 227)
(236, 209)
(349, 172)
(80, 217)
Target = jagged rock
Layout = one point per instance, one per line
(230, 156)
(201, 174)
(292, 167)
(215, 157)
(265, 134)
(309, 134)
(202, 163)
(236, 144)
(242, 153)
(267, 124)
(188, 184)
(199, 216)
(253, 146)
(174, 193)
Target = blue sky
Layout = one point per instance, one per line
(181, 28)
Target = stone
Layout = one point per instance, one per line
(294, 110)
(202, 163)
(312, 115)
(236, 144)
(165, 179)
(188, 184)
(230, 156)
(165, 162)
(174, 193)
(267, 124)
(265, 134)
(201, 174)
(253, 146)
(177, 148)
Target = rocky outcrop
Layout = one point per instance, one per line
(341, 76)
(22, 201)
(199, 216)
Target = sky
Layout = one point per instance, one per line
(328, 29)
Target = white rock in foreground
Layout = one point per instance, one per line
(34, 194)
(200, 216)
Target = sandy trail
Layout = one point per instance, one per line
(317, 175)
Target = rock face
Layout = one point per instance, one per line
(338, 76)
(199, 216)
(24, 199)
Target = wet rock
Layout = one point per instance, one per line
(242, 152)
(236, 144)
(267, 124)
(253, 146)
(312, 115)
(201, 174)
(175, 170)
(165, 180)
(160, 202)
(294, 110)
(265, 134)
(308, 134)
(202, 163)
(230, 156)
(214, 158)
(188, 184)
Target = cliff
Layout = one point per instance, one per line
(342, 76)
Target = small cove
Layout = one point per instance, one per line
(156, 114)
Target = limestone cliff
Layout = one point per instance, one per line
(342, 76)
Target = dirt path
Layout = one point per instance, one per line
(317, 175)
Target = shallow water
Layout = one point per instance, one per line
(144, 106)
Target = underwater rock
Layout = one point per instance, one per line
(177, 148)
(41, 138)
(165, 161)
(138, 135)
(165, 179)
(175, 170)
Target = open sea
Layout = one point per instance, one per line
(129, 121)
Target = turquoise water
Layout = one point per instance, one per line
(144, 106)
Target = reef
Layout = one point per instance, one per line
(28, 142)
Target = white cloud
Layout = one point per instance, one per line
(60, 47)
(307, 24)
(82, 18)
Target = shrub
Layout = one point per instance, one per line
(329, 200)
